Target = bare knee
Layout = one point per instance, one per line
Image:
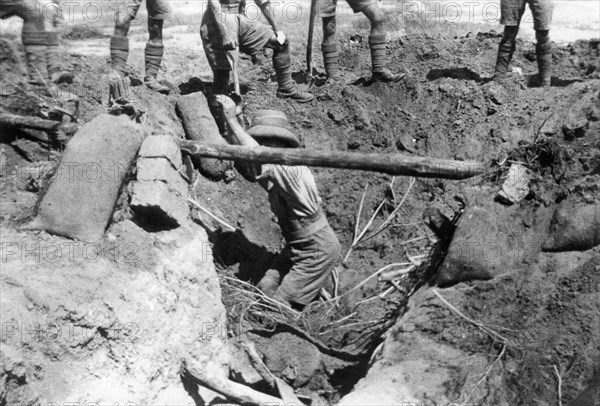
(376, 16)
(329, 28)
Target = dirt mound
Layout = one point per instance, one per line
(107, 321)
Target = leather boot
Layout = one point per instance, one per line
(283, 70)
(55, 70)
(377, 44)
(153, 55)
(119, 51)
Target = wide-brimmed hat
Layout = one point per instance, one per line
(272, 125)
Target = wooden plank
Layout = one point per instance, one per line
(392, 164)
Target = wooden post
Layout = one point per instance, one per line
(311, 29)
(393, 164)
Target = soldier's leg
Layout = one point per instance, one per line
(506, 49)
(329, 45)
(254, 36)
(282, 63)
(157, 12)
(33, 36)
(377, 44)
(215, 55)
(119, 43)
(542, 18)
(511, 12)
(56, 70)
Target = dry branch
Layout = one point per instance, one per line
(393, 164)
(486, 374)
(493, 334)
(231, 390)
(212, 216)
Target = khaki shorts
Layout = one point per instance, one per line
(252, 37)
(328, 7)
(157, 9)
(511, 12)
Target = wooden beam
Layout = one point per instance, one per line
(392, 164)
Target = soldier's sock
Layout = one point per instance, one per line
(282, 63)
(378, 53)
(506, 49)
(377, 43)
(153, 54)
(331, 59)
(55, 70)
(543, 51)
(119, 51)
(35, 46)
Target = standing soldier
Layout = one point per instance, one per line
(511, 14)
(119, 43)
(377, 39)
(312, 247)
(226, 29)
(40, 36)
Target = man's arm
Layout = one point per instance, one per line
(239, 136)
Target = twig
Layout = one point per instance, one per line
(395, 285)
(380, 270)
(253, 290)
(494, 335)
(218, 220)
(487, 372)
(258, 364)
(559, 384)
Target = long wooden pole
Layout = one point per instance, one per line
(393, 164)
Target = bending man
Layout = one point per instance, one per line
(377, 39)
(312, 247)
(225, 31)
(119, 43)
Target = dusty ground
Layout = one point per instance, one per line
(444, 109)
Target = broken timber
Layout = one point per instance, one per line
(233, 391)
(14, 121)
(392, 164)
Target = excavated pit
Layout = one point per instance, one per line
(417, 349)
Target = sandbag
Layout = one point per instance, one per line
(81, 196)
(574, 227)
(492, 239)
(199, 125)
